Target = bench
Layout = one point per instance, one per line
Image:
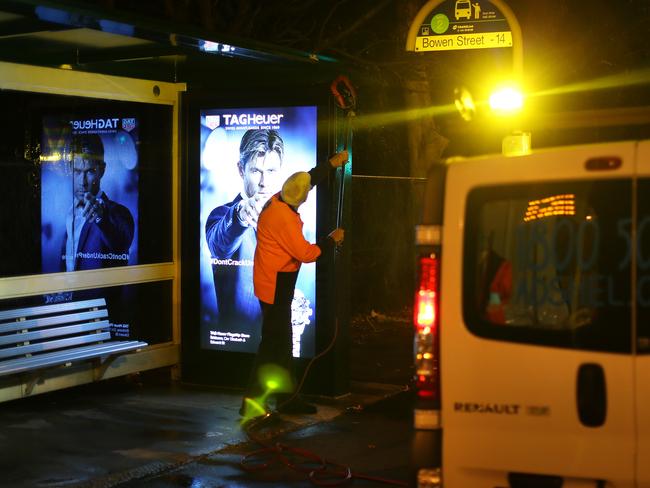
(46, 336)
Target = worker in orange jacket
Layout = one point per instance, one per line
(281, 249)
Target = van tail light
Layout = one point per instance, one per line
(427, 329)
(426, 302)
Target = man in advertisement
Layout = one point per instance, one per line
(99, 231)
(230, 229)
(246, 155)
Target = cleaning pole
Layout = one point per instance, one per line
(346, 99)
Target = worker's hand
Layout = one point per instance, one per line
(249, 209)
(337, 236)
(339, 159)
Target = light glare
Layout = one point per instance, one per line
(506, 100)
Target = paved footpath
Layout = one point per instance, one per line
(127, 435)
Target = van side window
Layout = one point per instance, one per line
(549, 264)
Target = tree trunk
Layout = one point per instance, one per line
(425, 143)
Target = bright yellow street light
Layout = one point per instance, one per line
(506, 100)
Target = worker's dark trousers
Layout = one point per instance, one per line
(276, 344)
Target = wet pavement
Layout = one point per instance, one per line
(140, 431)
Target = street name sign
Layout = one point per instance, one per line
(463, 24)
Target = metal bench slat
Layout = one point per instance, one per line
(104, 349)
(50, 309)
(57, 344)
(72, 354)
(53, 332)
(56, 358)
(53, 320)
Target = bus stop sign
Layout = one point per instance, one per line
(462, 24)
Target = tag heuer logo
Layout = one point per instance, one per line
(128, 124)
(213, 121)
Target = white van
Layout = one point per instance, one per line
(532, 321)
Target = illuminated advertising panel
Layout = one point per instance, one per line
(246, 155)
(89, 192)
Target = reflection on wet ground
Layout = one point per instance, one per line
(121, 433)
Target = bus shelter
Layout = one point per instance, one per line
(119, 138)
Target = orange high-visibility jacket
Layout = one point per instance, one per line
(280, 247)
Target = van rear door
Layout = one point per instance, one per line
(642, 376)
(536, 360)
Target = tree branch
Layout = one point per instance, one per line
(341, 35)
